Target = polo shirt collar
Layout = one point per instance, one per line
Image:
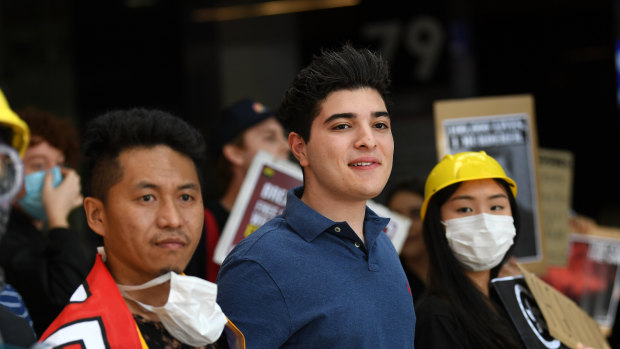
(309, 224)
(304, 220)
(373, 226)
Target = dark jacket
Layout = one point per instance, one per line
(44, 267)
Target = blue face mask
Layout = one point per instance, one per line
(32, 201)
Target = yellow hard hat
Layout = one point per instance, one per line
(21, 133)
(460, 167)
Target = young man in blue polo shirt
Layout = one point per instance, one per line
(323, 274)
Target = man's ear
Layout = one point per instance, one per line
(233, 154)
(298, 147)
(95, 216)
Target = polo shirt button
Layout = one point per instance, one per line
(337, 229)
(357, 244)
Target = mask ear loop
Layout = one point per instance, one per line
(154, 282)
(10, 160)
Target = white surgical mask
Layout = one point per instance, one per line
(480, 242)
(191, 314)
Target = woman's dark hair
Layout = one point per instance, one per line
(58, 132)
(347, 68)
(485, 326)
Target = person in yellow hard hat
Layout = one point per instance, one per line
(470, 222)
(15, 323)
(44, 256)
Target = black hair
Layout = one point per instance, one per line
(111, 133)
(485, 326)
(411, 184)
(331, 70)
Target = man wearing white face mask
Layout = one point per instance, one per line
(144, 198)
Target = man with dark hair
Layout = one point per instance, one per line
(240, 130)
(324, 274)
(144, 198)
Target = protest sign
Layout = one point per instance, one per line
(544, 317)
(591, 277)
(565, 319)
(555, 172)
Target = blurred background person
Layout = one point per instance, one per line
(43, 258)
(15, 323)
(406, 197)
(470, 222)
(239, 132)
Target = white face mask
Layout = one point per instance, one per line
(480, 242)
(191, 314)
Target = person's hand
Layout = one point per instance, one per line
(509, 268)
(583, 346)
(61, 200)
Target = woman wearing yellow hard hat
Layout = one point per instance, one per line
(470, 222)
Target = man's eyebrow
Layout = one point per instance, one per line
(379, 114)
(339, 116)
(145, 185)
(149, 185)
(193, 186)
(376, 114)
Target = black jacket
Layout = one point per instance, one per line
(44, 267)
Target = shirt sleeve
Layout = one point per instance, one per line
(252, 300)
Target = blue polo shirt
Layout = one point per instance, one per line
(305, 281)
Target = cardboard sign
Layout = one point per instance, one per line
(566, 321)
(555, 172)
(504, 127)
(544, 317)
(263, 196)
